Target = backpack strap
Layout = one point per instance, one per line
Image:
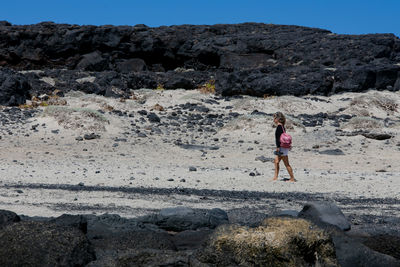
(283, 127)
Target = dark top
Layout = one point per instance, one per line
(278, 132)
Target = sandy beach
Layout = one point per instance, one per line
(135, 165)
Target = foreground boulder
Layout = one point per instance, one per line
(324, 213)
(8, 217)
(43, 244)
(351, 253)
(277, 242)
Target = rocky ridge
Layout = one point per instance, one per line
(250, 58)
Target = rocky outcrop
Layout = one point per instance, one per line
(250, 58)
(110, 240)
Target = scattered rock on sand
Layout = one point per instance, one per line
(192, 169)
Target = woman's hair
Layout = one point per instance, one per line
(280, 117)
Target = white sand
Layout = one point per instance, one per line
(48, 158)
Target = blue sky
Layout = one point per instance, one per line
(340, 16)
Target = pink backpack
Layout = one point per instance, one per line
(285, 139)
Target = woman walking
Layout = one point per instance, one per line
(281, 153)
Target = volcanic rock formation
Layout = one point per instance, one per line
(250, 58)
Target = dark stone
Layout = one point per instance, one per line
(176, 82)
(183, 218)
(152, 117)
(91, 136)
(77, 221)
(142, 112)
(377, 136)
(93, 62)
(196, 147)
(128, 241)
(14, 88)
(142, 135)
(264, 159)
(149, 257)
(350, 252)
(8, 217)
(385, 244)
(43, 244)
(191, 239)
(132, 65)
(325, 214)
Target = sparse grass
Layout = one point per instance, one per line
(208, 87)
(359, 123)
(77, 118)
(252, 121)
(292, 122)
(90, 113)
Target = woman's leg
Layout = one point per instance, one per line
(276, 164)
(288, 167)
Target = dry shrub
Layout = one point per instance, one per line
(376, 100)
(45, 100)
(359, 123)
(291, 104)
(277, 242)
(160, 87)
(208, 87)
(157, 107)
(106, 107)
(242, 122)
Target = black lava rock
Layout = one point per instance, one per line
(191, 56)
(152, 117)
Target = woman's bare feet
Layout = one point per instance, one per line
(275, 179)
